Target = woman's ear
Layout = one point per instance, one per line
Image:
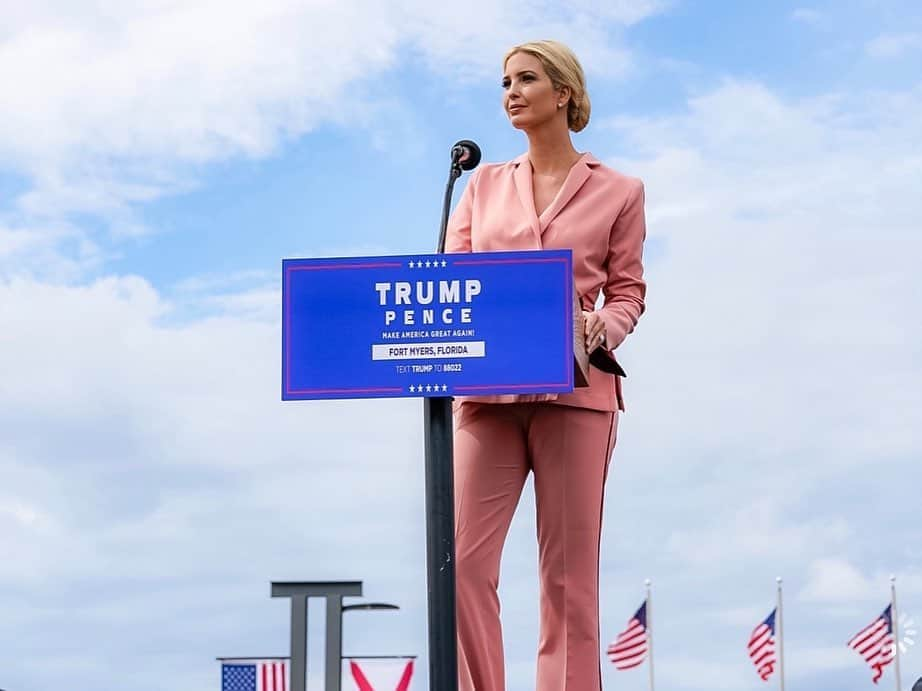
(563, 94)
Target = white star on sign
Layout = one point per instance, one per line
(444, 387)
(428, 387)
(428, 263)
(412, 389)
(444, 263)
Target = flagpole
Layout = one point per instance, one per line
(895, 621)
(650, 631)
(780, 635)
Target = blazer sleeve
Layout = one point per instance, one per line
(625, 288)
(458, 233)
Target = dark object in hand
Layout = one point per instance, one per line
(606, 362)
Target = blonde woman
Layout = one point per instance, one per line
(550, 197)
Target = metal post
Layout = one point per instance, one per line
(298, 642)
(299, 592)
(440, 516)
(650, 631)
(780, 622)
(367, 606)
(334, 645)
(440, 543)
(895, 622)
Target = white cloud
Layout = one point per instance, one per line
(808, 661)
(780, 284)
(692, 672)
(807, 15)
(889, 46)
(837, 581)
(746, 617)
(758, 531)
(151, 470)
(841, 585)
(13, 241)
(109, 107)
(46, 249)
(210, 284)
(22, 514)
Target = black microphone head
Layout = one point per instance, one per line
(467, 154)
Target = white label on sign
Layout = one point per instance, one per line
(428, 351)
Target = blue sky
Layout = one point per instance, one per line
(158, 160)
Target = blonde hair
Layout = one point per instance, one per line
(563, 68)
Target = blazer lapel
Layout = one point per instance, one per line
(577, 177)
(523, 185)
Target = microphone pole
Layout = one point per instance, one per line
(440, 491)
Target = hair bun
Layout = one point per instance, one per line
(578, 113)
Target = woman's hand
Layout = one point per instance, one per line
(595, 330)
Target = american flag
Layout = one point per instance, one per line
(630, 648)
(762, 646)
(254, 675)
(876, 644)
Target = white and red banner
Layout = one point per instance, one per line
(378, 675)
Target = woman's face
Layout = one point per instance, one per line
(529, 96)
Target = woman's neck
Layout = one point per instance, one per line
(551, 151)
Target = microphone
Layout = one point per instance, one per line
(465, 154)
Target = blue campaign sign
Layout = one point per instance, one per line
(427, 325)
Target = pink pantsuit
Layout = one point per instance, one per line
(566, 440)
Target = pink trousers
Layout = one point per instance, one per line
(568, 449)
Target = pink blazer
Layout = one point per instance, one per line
(598, 214)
